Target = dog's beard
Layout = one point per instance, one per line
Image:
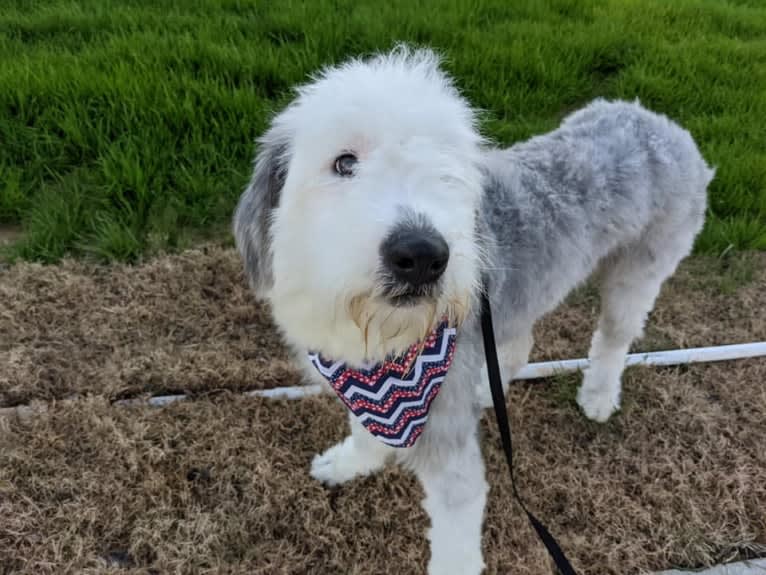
(390, 329)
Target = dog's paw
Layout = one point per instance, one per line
(598, 403)
(467, 564)
(341, 463)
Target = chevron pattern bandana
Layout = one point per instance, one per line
(392, 398)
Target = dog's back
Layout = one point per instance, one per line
(613, 175)
(635, 139)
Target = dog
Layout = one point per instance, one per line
(377, 210)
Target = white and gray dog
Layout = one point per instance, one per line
(376, 208)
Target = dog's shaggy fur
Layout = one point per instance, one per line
(616, 189)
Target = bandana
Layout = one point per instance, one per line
(391, 399)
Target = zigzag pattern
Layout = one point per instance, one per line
(392, 399)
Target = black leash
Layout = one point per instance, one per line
(498, 399)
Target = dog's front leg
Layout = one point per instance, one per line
(358, 455)
(456, 493)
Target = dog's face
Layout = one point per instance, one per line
(359, 225)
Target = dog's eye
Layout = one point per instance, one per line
(344, 164)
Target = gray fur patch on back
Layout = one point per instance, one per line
(614, 175)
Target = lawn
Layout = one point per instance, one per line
(127, 128)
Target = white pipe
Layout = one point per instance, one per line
(295, 392)
(672, 357)
(156, 401)
(531, 371)
(550, 368)
(163, 400)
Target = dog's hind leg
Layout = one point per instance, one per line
(512, 355)
(358, 455)
(631, 279)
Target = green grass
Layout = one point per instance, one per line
(127, 127)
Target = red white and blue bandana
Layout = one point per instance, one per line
(392, 398)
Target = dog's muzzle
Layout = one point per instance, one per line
(414, 258)
(392, 398)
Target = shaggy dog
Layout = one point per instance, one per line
(376, 210)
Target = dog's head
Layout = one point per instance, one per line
(359, 224)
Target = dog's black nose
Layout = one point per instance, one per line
(415, 255)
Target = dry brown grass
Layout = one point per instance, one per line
(180, 323)
(220, 484)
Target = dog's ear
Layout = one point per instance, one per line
(252, 219)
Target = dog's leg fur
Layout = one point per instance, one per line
(456, 493)
(630, 282)
(447, 461)
(513, 355)
(358, 455)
